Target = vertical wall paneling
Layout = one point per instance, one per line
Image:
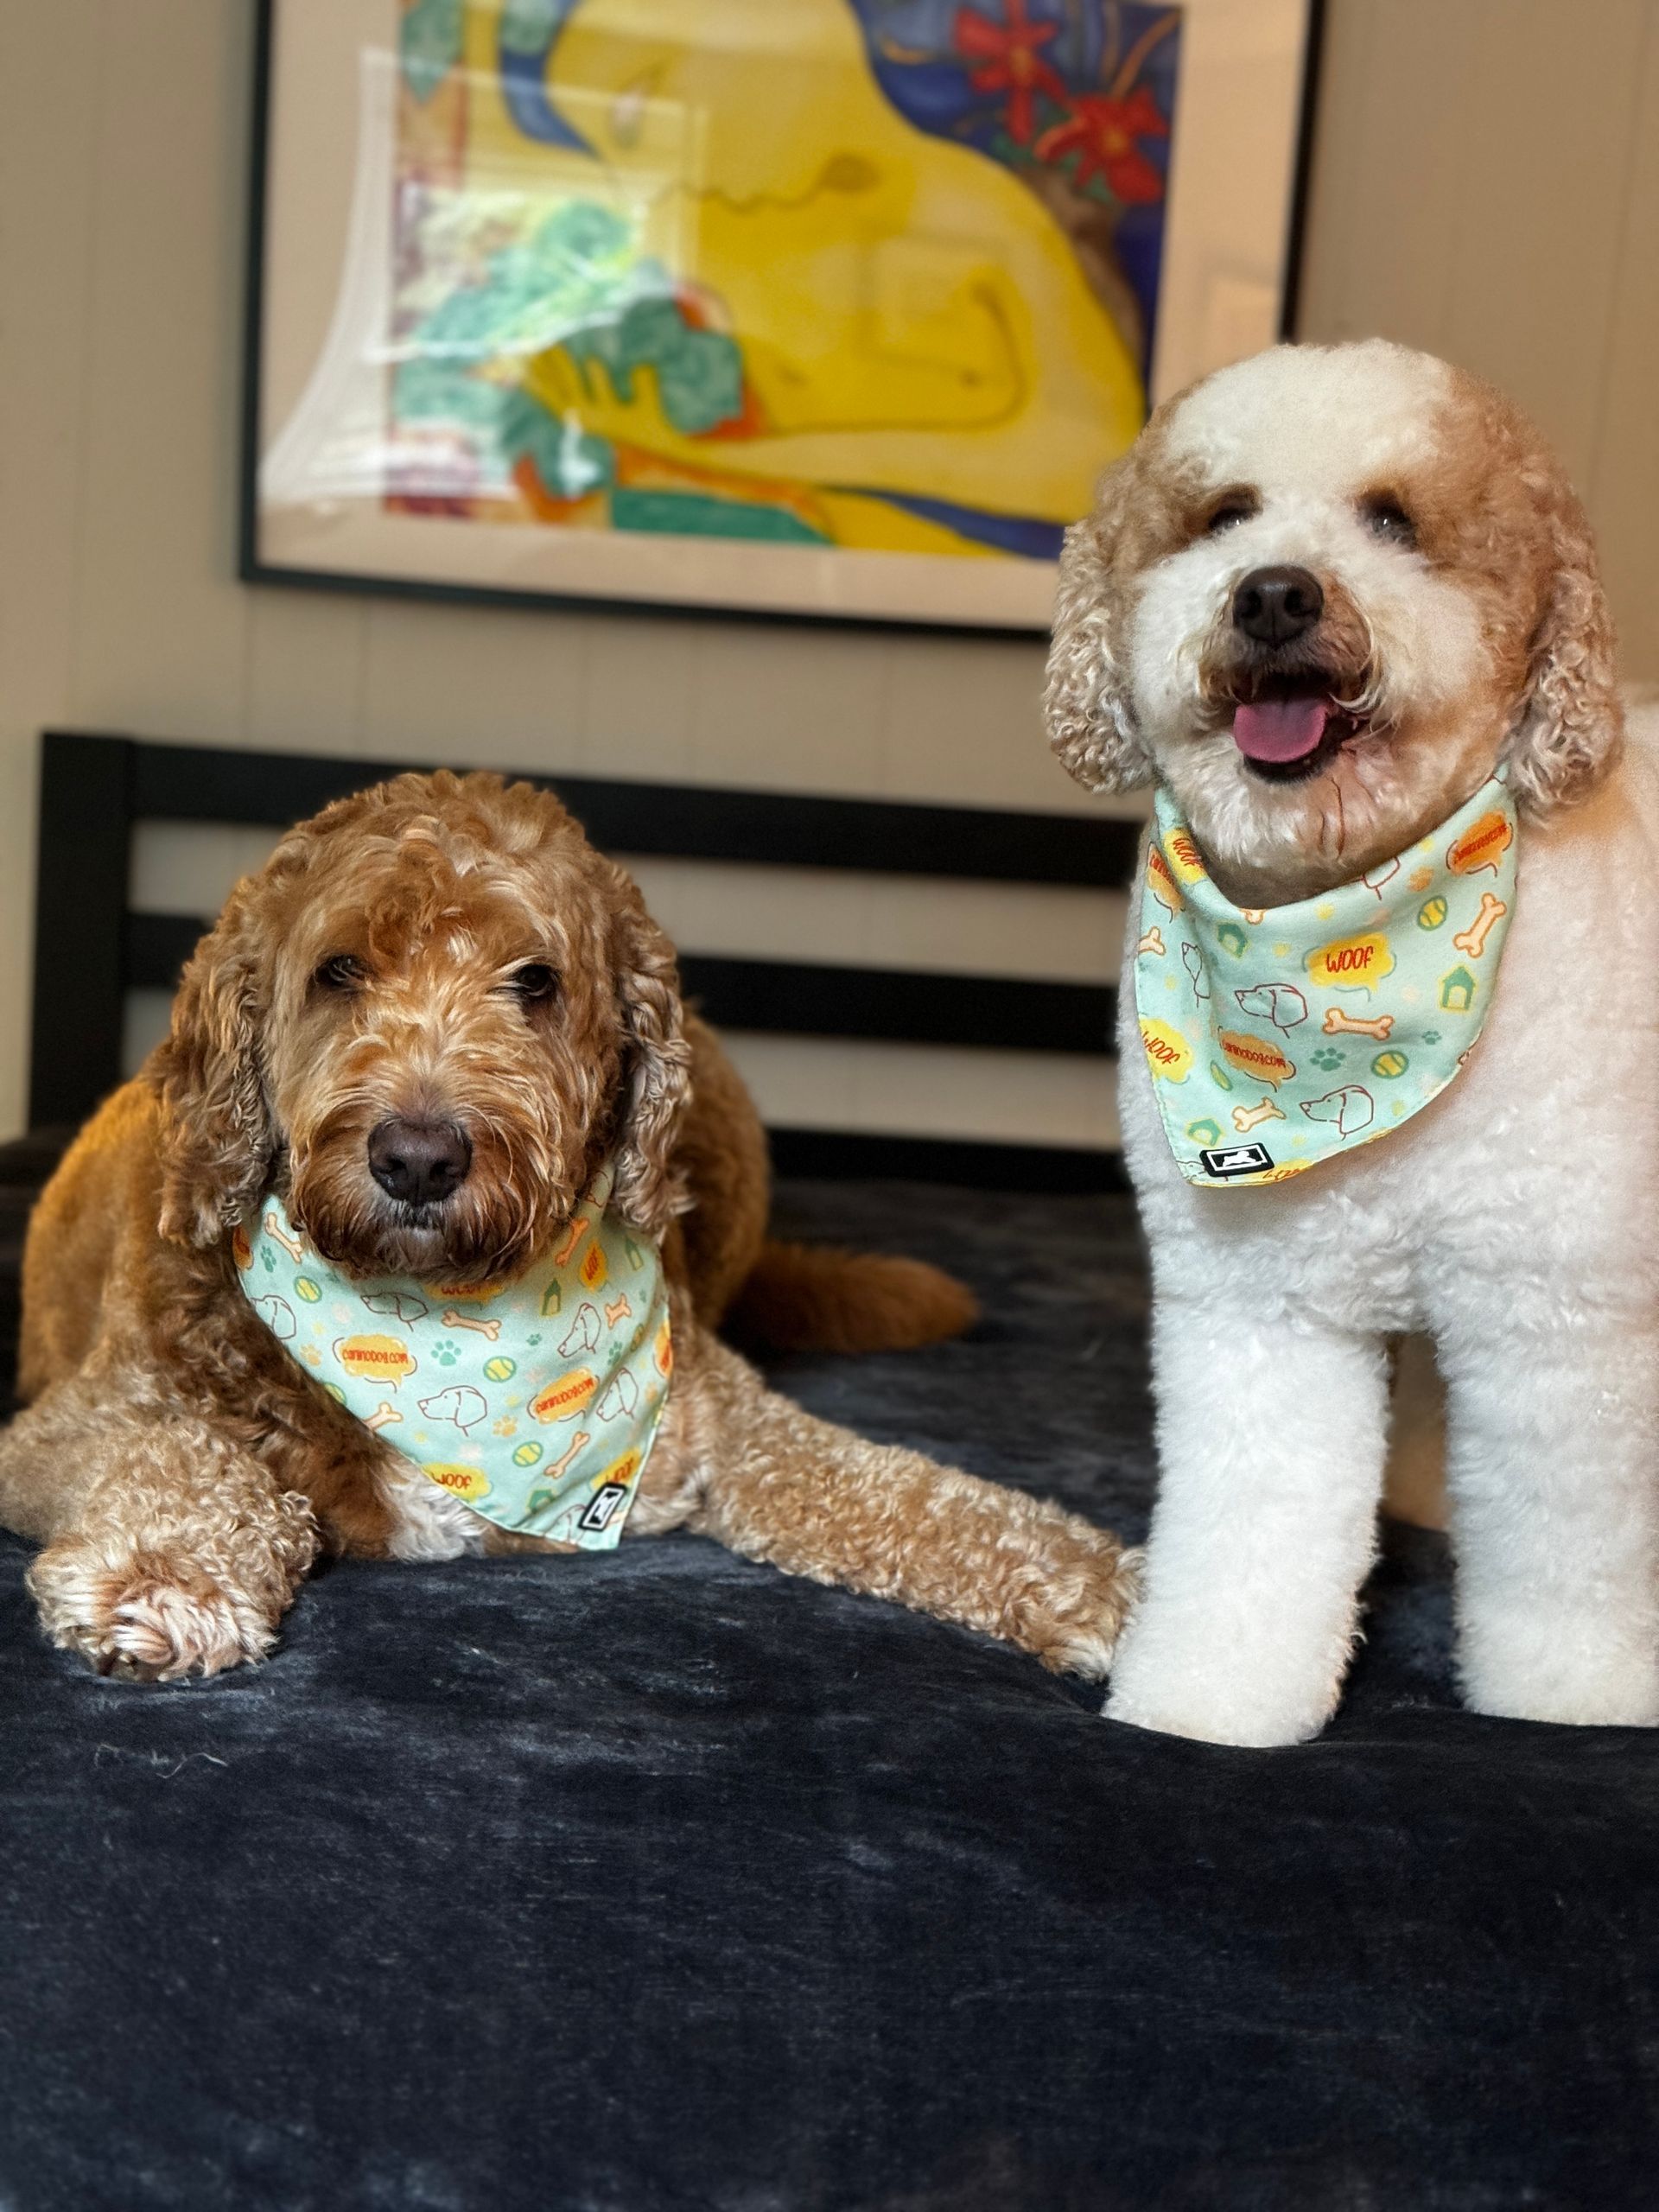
(1486, 184)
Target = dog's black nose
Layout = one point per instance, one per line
(1273, 606)
(421, 1162)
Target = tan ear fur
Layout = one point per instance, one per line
(655, 1067)
(1086, 702)
(1571, 725)
(217, 1140)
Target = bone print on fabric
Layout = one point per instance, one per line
(1317, 1026)
(473, 1385)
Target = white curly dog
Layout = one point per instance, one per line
(1375, 553)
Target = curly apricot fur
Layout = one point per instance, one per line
(181, 1470)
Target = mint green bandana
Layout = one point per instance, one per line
(1279, 1037)
(534, 1401)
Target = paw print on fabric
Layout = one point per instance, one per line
(1431, 1036)
(505, 1428)
(267, 1259)
(1328, 1056)
(536, 1339)
(445, 1352)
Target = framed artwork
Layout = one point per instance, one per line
(799, 307)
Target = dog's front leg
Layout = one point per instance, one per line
(739, 1463)
(1553, 1472)
(169, 1549)
(1271, 1436)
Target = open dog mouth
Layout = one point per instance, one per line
(1292, 727)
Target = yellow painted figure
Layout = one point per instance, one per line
(903, 315)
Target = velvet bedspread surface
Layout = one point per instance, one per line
(656, 1881)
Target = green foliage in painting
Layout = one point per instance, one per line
(527, 25)
(569, 462)
(430, 44)
(699, 514)
(699, 372)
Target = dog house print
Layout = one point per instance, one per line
(1458, 990)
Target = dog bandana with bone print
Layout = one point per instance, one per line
(534, 1401)
(1280, 1036)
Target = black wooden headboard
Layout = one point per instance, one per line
(91, 949)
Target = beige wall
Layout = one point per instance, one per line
(1488, 183)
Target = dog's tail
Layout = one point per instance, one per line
(818, 1298)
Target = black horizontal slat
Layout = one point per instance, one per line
(797, 998)
(805, 998)
(186, 783)
(841, 1155)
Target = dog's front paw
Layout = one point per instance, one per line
(1578, 1671)
(1247, 1724)
(148, 1617)
(1260, 1716)
(1071, 1606)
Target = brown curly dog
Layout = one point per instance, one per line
(451, 953)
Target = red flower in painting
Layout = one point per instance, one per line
(1102, 131)
(1008, 62)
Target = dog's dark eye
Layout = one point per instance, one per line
(1386, 517)
(1233, 510)
(534, 983)
(340, 972)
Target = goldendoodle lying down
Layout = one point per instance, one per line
(393, 1244)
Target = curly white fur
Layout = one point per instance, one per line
(1513, 1222)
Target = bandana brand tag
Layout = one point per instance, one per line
(1237, 1160)
(599, 1513)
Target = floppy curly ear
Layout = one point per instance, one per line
(656, 1069)
(1572, 724)
(217, 1141)
(1086, 701)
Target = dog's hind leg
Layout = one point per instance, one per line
(748, 1467)
(1270, 1434)
(169, 1549)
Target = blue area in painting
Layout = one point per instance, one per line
(529, 31)
(1075, 96)
(1027, 535)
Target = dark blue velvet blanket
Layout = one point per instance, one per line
(656, 1881)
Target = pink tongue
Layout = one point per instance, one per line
(1280, 730)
